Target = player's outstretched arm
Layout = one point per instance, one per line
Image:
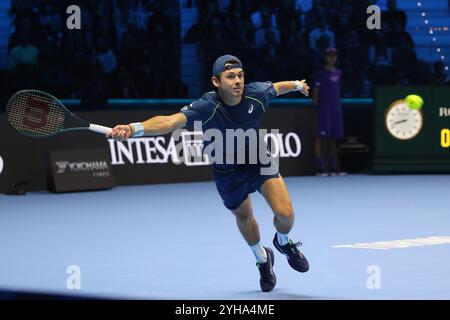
(288, 86)
(157, 125)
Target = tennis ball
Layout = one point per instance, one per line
(414, 101)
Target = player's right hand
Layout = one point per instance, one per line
(120, 132)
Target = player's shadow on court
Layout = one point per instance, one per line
(278, 294)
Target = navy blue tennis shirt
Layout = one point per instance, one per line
(214, 113)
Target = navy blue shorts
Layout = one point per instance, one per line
(234, 187)
(330, 124)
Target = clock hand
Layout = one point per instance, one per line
(401, 121)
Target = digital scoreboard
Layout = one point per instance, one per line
(411, 140)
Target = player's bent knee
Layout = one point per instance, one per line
(243, 214)
(284, 211)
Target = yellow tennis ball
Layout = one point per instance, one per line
(414, 101)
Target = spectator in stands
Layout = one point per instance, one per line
(269, 57)
(24, 52)
(380, 53)
(405, 61)
(423, 74)
(266, 27)
(96, 89)
(319, 53)
(258, 16)
(48, 17)
(382, 4)
(321, 30)
(24, 24)
(354, 64)
(286, 13)
(159, 26)
(291, 35)
(207, 10)
(240, 33)
(143, 36)
(20, 8)
(303, 5)
(105, 56)
(342, 29)
(214, 40)
(138, 14)
(297, 49)
(125, 86)
(131, 52)
(439, 77)
(398, 34)
(120, 17)
(312, 16)
(50, 64)
(87, 18)
(105, 28)
(243, 6)
(393, 15)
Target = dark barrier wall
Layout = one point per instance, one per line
(149, 159)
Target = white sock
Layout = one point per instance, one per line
(282, 238)
(260, 253)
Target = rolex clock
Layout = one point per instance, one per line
(411, 129)
(402, 122)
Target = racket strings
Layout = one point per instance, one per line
(34, 113)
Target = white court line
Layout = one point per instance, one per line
(397, 244)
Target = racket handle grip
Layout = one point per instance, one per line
(99, 129)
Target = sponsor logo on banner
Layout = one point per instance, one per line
(81, 166)
(193, 149)
(187, 148)
(62, 165)
(444, 112)
(80, 169)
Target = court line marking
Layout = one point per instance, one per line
(398, 244)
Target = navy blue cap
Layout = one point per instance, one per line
(219, 65)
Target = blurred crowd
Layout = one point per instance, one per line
(124, 49)
(286, 39)
(131, 48)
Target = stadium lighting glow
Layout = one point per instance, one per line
(432, 29)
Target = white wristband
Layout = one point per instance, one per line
(298, 85)
(138, 129)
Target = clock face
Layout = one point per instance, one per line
(403, 122)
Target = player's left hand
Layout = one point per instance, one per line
(305, 88)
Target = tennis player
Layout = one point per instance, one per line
(234, 105)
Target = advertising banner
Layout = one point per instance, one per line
(151, 159)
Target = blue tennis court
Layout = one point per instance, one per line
(366, 237)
